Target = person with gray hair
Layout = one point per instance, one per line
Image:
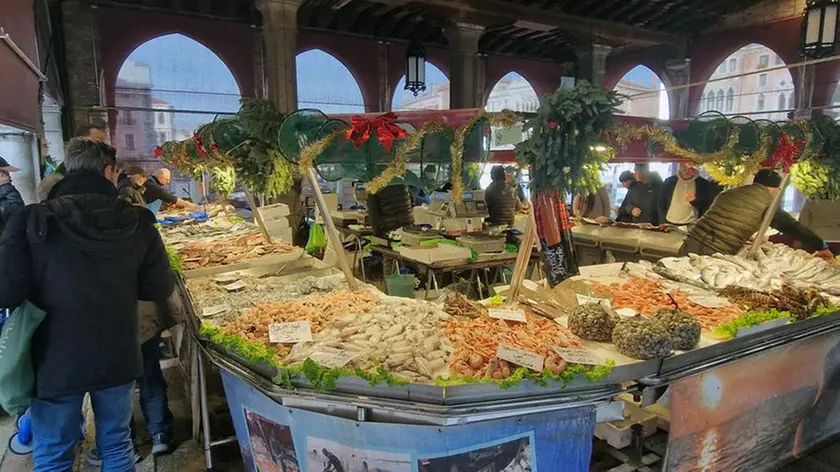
(85, 257)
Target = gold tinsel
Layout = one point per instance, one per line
(626, 133)
(312, 151)
(399, 164)
(748, 167)
(505, 118)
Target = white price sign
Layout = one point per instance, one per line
(290, 333)
(626, 312)
(578, 356)
(517, 356)
(331, 357)
(585, 299)
(507, 314)
(238, 285)
(212, 311)
(601, 270)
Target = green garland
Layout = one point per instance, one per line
(176, 261)
(566, 150)
(749, 319)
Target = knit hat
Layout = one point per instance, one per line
(5, 166)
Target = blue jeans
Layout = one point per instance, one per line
(153, 399)
(55, 429)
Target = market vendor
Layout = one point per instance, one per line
(501, 199)
(594, 205)
(736, 215)
(130, 186)
(510, 178)
(156, 191)
(685, 197)
(639, 205)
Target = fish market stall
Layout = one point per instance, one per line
(753, 345)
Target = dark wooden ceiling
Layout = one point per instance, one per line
(548, 29)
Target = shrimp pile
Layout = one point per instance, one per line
(477, 339)
(317, 310)
(648, 297)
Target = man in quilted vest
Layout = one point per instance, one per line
(736, 215)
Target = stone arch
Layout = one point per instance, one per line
(326, 83)
(641, 79)
(518, 92)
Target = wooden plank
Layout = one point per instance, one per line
(332, 233)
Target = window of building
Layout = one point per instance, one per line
(733, 65)
(730, 99)
(161, 137)
(790, 101)
(161, 118)
(763, 61)
(720, 100)
(760, 103)
(762, 80)
(128, 119)
(129, 142)
(782, 101)
(710, 100)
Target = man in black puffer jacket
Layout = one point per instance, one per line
(10, 199)
(85, 257)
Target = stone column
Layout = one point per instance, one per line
(592, 63)
(679, 74)
(386, 88)
(81, 45)
(466, 90)
(280, 45)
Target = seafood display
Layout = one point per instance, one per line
(476, 341)
(800, 302)
(641, 338)
(199, 254)
(683, 328)
(592, 321)
(456, 304)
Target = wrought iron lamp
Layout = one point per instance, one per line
(819, 28)
(415, 68)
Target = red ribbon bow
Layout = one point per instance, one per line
(158, 152)
(787, 150)
(386, 131)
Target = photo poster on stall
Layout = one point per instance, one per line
(274, 438)
(787, 399)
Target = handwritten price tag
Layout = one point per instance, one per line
(238, 285)
(584, 300)
(212, 311)
(331, 357)
(517, 356)
(290, 333)
(708, 301)
(601, 270)
(506, 314)
(578, 356)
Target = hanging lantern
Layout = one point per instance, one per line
(819, 28)
(415, 68)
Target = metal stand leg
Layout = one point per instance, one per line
(471, 282)
(205, 412)
(361, 253)
(487, 281)
(429, 275)
(435, 282)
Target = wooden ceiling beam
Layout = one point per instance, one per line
(594, 30)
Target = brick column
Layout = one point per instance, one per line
(280, 43)
(679, 74)
(81, 52)
(592, 63)
(466, 82)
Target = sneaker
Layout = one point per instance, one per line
(163, 442)
(92, 459)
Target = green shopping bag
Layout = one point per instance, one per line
(17, 374)
(317, 239)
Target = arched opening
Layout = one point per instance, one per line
(646, 92)
(750, 93)
(165, 90)
(325, 83)
(513, 92)
(435, 97)
(753, 95)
